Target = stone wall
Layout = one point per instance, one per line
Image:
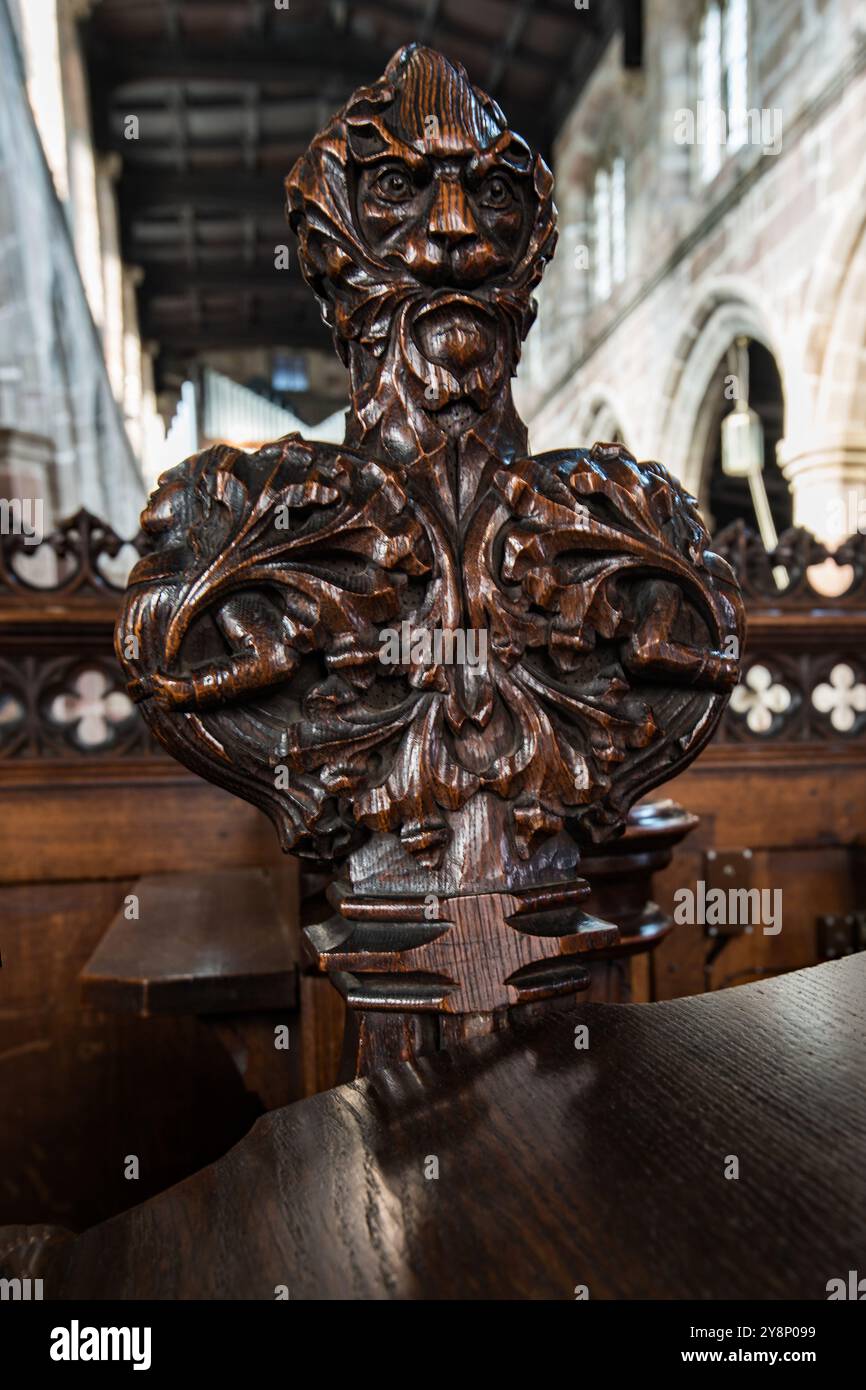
(62, 434)
(774, 247)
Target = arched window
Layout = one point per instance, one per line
(604, 427)
(609, 228)
(728, 498)
(723, 82)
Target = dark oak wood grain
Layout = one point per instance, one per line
(198, 944)
(80, 1088)
(558, 1167)
(436, 661)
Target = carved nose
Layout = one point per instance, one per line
(450, 216)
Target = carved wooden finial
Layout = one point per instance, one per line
(434, 660)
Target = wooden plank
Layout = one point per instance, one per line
(778, 796)
(79, 1089)
(87, 821)
(199, 944)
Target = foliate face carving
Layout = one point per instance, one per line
(419, 184)
(424, 225)
(449, 221)
(263, 622)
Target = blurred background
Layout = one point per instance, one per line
(708, 184)
(706, 307)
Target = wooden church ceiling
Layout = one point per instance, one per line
(227, 93)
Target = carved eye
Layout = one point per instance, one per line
(394, 185)
(496, 192)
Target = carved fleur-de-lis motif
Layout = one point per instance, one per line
(11, 712)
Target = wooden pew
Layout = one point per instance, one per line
(89, 804)
(81, 822)
(682, 1154)
(223, 946)
(780, 793)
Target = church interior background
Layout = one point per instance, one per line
(706, 308)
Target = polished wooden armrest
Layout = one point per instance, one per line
(523, 1166)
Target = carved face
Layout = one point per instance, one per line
(167, 508)
(424, 223)
(451, 222)
(419, 213)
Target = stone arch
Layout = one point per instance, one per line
(600, 418)
(722, 313)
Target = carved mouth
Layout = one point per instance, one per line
(455, 331)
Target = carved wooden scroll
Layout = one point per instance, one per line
(434, 660)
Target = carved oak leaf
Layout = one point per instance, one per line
(606, 600)
(587, 580)
(263, 560)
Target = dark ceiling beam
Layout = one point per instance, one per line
(447, 28)
(172, 18)
(561, 10)
(632, 33)
(528, 120)
(174, 280)
(432, 12)
(291, 331)
(506, 49)
(324, 58)
(145, 192)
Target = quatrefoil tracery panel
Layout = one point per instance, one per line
(90, 708)
(761, 700)
(841, 699)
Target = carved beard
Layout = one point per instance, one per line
(410, 402)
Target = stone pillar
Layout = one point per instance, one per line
(82, 164)
(133, 354)
(828, 483)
